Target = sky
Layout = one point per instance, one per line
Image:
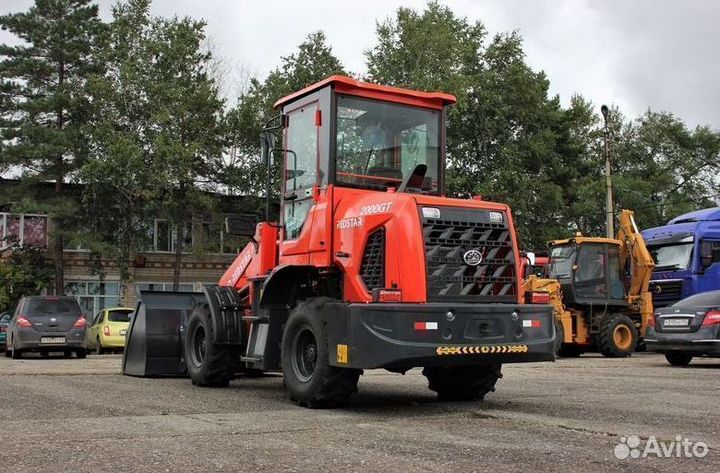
(642, 54)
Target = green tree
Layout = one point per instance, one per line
(25, 272)
(156, 134)
(312, 62)
(507, 139)
(43, 102)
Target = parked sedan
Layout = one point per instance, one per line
(45, 324)
(108, 329)
(4, 322)
(686, 329)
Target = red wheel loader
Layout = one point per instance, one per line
(370, 266)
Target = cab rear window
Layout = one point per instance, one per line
(119, 316)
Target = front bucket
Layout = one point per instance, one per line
(154, 342)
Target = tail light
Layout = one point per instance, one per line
(80, 323)
(712, 318)
(23, 322)
(537, 297)
(106, 331)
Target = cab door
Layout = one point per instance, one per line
(300, 176)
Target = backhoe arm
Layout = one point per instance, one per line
(633, 247)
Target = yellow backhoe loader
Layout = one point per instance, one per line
(598, 288)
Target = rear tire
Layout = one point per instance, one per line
(308, 377)
(16, 354)
(463, 383)
(208, 364)
(617, 337)
(81, 353)
(98, 347)
(678, 359)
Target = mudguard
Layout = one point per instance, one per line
(154, 340)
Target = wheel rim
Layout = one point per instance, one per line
(304, 354)
(199, 345)
(622, 337)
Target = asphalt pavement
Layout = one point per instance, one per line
(573, 415)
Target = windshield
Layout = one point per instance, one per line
(562, 259)
(380, 143)
(669, 257)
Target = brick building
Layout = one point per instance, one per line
(207, 252)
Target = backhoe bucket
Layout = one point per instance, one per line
(154, 342)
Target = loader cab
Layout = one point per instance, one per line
(345, 134)
(588, 270)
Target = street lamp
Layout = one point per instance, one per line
(608, 180)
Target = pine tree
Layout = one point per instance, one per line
(43, 102)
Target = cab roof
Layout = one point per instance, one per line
(350, 86)
(711, 214)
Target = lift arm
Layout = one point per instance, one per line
(634, 249)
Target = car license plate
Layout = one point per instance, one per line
(676, 322)
(123, 332)
(52, 340)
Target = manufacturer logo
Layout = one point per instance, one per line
(53, 320)
(472, 257)
(657, 289)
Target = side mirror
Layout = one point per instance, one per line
(241, 225)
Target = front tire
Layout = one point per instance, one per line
(463, 383)
(678, 359)
(208, 364)
(617, 337)
(308, 377)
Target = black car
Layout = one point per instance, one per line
(688, 328)
(46, 324)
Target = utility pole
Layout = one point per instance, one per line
(608, 179)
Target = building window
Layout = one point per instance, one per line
(165, 238)
(164, 286)
(94, 296)
(23, 229)
(207, 237)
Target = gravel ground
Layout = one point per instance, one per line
(83, 415)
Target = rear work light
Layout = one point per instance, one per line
(23, 322)
(538, 297)
(712, 318)
(106, 331)
(80, 323)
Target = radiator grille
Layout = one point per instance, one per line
(450, 237)
(372, 268)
